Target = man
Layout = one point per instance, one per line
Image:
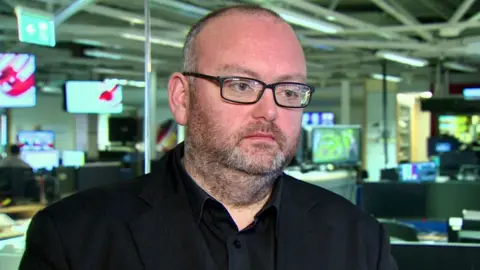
(220, 201)
(13, 160)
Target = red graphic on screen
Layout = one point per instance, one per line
(16, 74)
(108, 94)
(36, 140)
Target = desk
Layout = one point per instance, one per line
(10, 234)
(27, 211)
(341, 182)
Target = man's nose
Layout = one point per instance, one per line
(266, 107)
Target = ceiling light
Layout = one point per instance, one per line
(124, 82)
(156, 40)
(393, 56)
(135, 20)
(102, 54)
(388, 77)
(460, 67)
(90, 42)
(118, 72)
(183, 6)
(104, 70)
(298, 19)
(314, 65)
(331, 18)
(118, 56)
(426, 94)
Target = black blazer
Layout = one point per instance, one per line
(147, 224)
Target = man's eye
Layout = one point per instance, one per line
(290, 93)
(239, 86)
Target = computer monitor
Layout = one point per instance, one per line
(73, 158)
(336, 145)
(36, 140)
(124, 129)
(440, 145)
(451, 162)
(38, 160)
(318, 118)
(417, 172)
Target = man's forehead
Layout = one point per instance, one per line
(229, 69)
(233, 18)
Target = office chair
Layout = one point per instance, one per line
(14, 183)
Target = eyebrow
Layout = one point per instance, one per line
(234, 68)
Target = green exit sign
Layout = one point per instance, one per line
(35, 26)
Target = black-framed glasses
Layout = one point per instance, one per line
(245, 90)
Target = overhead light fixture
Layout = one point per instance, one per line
(460, 67)
(183, 6)
(302, 20)
(156, 40)
(124, 82)
(136, 21)
(118, 56)
(426, 94)
(102, 54)
(104, 70)
(401, 58)
(331, 18)
(314, 65)
(118, 72)
(94, 43)
(390, 78)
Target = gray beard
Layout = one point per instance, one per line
(231, 175)
(233, 187)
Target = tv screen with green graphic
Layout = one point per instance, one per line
(336, 144)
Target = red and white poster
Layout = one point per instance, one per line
(17, 80)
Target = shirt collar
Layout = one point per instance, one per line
(197, 197)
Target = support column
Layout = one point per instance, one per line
(93, 130)
(81, 132)
(147, 123)
(153, 113)
(440, 89)
(345, 103)
(376, 130)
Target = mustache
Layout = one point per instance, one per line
(265, 127)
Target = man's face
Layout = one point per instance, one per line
(258, 138)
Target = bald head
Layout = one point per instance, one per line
(190, 52)
(242, 47)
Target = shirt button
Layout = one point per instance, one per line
(237, 243)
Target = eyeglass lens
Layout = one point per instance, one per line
(245, 90)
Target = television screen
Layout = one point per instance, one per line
(123, 129)
(440, 145)
(47, 160)
(417, 172)
(17, 80)
(317, 119)
(36, 140)
(471, 93)
(73, 158)
(336, 145)
(93, 97)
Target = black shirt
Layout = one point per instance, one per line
(253, 248)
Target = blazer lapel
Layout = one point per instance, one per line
(302, 243)
(165, 234)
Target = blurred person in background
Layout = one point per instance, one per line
(13, 160)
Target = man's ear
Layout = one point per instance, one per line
(178, 97)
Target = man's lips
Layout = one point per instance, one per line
(260, 135)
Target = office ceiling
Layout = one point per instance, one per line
(104, 38)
